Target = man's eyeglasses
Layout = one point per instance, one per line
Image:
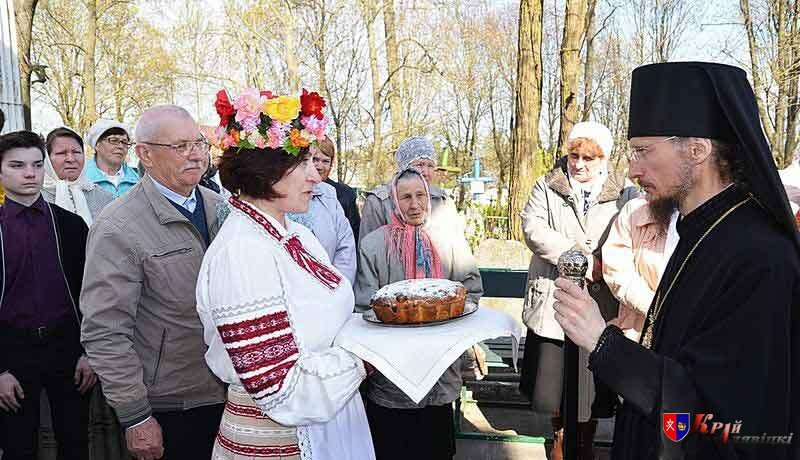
(638, 153)
(185, 148)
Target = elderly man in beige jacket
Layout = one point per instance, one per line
(140, 329)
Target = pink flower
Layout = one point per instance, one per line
(219, 133)
(258, 140)
(276, 134)
(248, 108)
(228, 141)
(315, 126)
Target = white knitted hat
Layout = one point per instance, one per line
(596, 132)
(101, 126)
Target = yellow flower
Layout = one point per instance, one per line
(283, 108)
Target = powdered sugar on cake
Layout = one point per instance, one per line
(419, 288)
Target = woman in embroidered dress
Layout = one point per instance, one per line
(407, 249)
(271, 304)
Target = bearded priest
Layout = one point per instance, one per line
(720, 341)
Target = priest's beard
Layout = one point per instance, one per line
(662, 207)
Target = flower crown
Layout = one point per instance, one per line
(259, 119)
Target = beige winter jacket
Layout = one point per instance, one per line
(140, 325)
(552, 224)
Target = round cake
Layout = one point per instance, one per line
(419, 301)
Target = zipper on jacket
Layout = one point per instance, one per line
(573, 205)
(160, 357)
(61, 265)
(173, 252)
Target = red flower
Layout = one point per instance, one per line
(268, 94)
(311, 104)
(224, 108)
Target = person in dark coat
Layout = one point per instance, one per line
(42, 257)
(720, 340)
(323, 161)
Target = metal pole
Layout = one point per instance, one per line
(573, 265)
(570, 400)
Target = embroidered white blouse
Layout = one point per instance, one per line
(271, 304)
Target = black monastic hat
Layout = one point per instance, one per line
(712, 101)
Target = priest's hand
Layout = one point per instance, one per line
(578, 314)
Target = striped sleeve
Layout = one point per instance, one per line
(262, 350)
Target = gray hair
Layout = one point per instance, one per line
(149, 125)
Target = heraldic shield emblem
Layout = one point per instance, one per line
(675, 426)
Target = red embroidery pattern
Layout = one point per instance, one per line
(293, 246)
(244, 411)
(265, 354)
(252, 328)
(257, 451)
(310, 264)
(272, 378)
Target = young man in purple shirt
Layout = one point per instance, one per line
(42, 257)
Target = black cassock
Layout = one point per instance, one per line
(722, 345)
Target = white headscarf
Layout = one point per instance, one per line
(69, 195)
(100, 127)
(605, 140)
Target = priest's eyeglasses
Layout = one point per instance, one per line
(638, 153)
(185, 148)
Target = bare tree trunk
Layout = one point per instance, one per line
(293, 74)
(793, 80)
(393, 68)
(499, 149)
(781, 108)
(755, 71)
(588, 65)
(89, 83)
(525, 135)
(574, 22)
(322, 70)
(24, 11)
(776, 89)
(377, 162)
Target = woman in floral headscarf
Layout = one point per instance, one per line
(407, 249)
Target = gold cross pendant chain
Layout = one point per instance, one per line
(655, 312)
